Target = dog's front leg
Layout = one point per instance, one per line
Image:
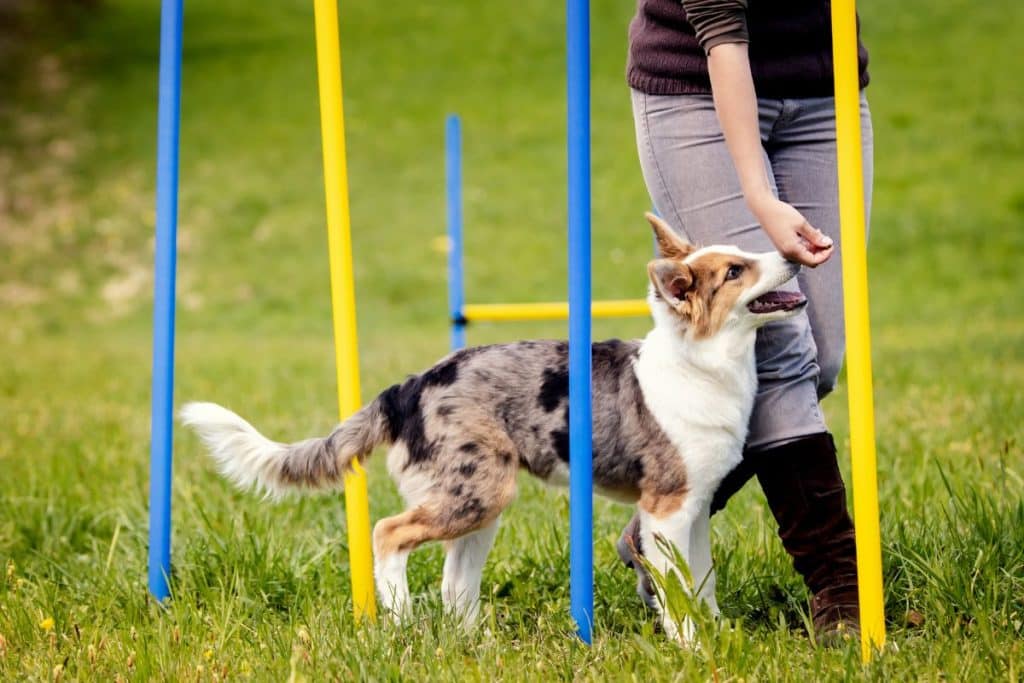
(675, 529)
(701, 565)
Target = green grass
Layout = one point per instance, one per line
(261, 590)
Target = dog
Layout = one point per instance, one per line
(670, 417)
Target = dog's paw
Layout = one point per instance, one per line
(684, 634)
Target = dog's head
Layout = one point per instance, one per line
(717, 288)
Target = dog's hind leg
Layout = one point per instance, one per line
(463, 566)
(456, 492)
(393, 539)
(465, 513)
(475, 480)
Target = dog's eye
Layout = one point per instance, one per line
(734, 272)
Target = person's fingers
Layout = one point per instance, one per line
(817, 257)
(796, 252)
(816, 237)
(801, 253)
(797, 240)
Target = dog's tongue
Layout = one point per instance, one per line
(776, 301)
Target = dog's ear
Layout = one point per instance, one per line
(672, 280)
(670, 244)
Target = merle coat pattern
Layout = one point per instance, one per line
(669, 420)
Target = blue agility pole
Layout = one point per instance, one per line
(168, 126)
(453, 180)
(581, 501)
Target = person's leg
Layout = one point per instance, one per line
(803, 158)
(692, 183)
(805, 492)
(801, 479)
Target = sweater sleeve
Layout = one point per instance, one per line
(717, 21)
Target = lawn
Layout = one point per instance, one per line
(261, 590)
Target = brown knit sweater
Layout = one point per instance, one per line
(790, 45)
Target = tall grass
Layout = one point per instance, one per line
(262, 591)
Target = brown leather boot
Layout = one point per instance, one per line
(805, 492)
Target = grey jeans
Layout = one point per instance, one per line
(694, 186)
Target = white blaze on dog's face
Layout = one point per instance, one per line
(720, 287)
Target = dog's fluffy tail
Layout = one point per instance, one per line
(251, 460)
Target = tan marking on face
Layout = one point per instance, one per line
(713, 295)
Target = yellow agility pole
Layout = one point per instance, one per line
(343, 299)
(858, 333)
(554, 310)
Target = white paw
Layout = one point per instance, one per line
(685, 634)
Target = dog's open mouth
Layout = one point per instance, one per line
(777, 301)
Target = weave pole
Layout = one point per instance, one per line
(453, 184)
(168, 127)
(858, 331)
(343, 299)
(459, 312)
(554, 310)
(581, 496)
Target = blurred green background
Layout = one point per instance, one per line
(77, 158)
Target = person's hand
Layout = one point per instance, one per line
(795, 238)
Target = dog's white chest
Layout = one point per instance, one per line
(704, 414)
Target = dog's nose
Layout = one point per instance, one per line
(787, 266)
(792, 267)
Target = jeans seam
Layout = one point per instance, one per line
(781, 119)
(657, 165)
